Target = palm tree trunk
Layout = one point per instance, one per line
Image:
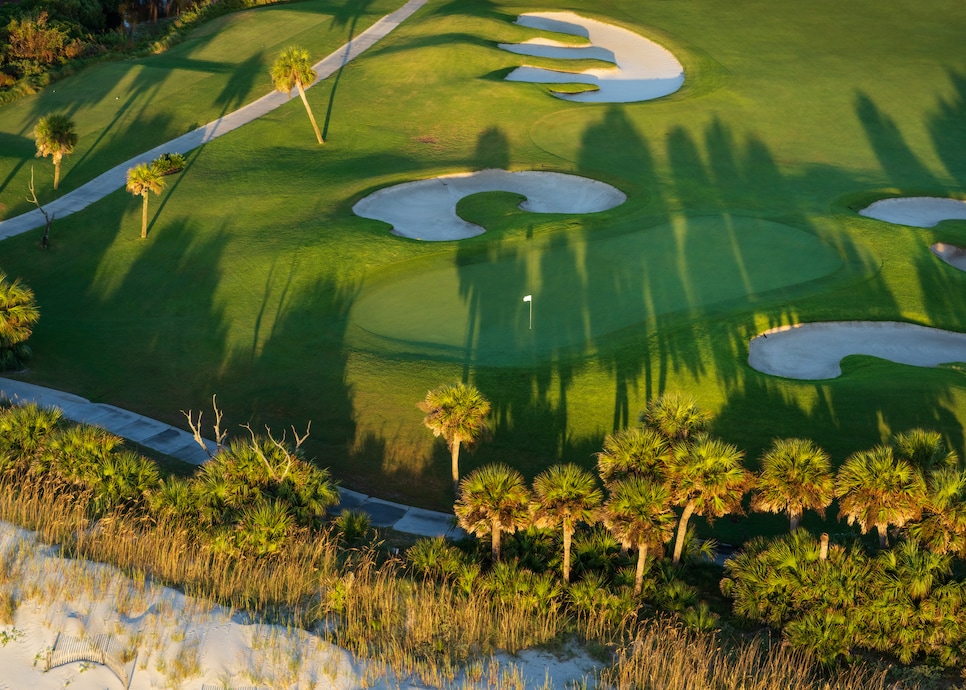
(568, 532)
(144, 216)
(305, 102)
(883, 531)
(794, 519)
(495, 539)
(682, 529)
(56, 170)
(455, 456)
(639, 578)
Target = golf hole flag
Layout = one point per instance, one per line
(528, 298)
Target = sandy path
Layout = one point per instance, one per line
(426, 209)
(643, 69)
(812, 351)
(918, 211)
(116, 177)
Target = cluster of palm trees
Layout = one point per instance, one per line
(56, 134)
(668, 460)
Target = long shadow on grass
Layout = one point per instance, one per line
(947, 126)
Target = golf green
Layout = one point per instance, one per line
(585, 288)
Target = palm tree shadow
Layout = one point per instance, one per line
(347, 15)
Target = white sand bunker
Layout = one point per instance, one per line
(644, 70)
(951, 254)
(813, 350)
(426, 209)
(918, 211)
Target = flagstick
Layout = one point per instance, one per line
(529, 298)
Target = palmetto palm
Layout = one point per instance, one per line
(796, 475)
(293, 70)
(638, 512)
(923, 449)
(493, 499)
(636, 451)
(943, 527)
(457, 413)
(877, 489)
(705, 477)
(56, 137)
(143, 179)
(18, 316)
(676, 417)
(565, 495)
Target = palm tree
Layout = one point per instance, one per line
(292, 69)
(676, 417)
(565, 495)
(637, 451)
(493, 499)
(705, 477)
(56, 137)
(143, 179)
(795, 475)
(943, 527)
(923, 449)
(638, 512)
(877, 489)
(18, 316)
(457, 413)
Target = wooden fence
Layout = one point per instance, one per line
(101, 649)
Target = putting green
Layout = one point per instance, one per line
(585, 288)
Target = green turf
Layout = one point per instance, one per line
(584, 288)
(256, 277)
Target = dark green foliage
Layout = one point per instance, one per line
(900, 602)
(354, 528)
(18, 316)
(169, 163)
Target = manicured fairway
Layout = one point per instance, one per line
(257, 282)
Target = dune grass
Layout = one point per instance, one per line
(254, 266)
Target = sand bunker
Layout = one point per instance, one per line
(644, 70)
(813, 351)
(951, 254)
(426, 209)
(918, 211)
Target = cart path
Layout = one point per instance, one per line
(116, 177)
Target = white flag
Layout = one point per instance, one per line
(528, 298)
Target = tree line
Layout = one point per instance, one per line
(656, 475)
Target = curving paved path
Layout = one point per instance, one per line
(116, 177)
(180, 444)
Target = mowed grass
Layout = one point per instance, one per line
(127, 107)
(250, 281)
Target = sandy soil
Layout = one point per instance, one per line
(426, 209)
(918, 211)
(813, 351)
(951, 254)
(643, 70)
(172, 632)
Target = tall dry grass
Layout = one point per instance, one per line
(433, 631)
(666, 655)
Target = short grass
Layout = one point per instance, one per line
(258, 283)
